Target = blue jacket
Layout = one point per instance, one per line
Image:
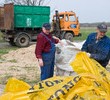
(99, 50)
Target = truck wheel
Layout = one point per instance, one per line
(22, 40)
(69, 36)
(11, 42)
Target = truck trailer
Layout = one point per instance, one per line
(20, 24)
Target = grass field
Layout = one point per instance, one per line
(85, 31)
(7, 49)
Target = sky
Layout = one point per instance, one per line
(88, 11)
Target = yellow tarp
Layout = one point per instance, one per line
(91, 83)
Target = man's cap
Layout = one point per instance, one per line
(47, 26)
(102, 27)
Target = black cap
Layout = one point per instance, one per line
(47, 26)
(102, 27)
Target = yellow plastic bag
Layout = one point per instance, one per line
(91, 83)
(83, 64)
(55, 87)
(14, 85)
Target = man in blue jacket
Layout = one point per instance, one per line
(98, 45)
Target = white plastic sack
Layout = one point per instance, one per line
(64, 54)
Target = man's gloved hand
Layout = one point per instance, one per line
(88, 54)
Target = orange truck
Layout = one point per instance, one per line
(66, 25)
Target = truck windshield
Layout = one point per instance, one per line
(72, 18)
(60, 17)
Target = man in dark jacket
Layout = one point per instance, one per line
(98, 45)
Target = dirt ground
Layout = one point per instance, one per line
(21, 64)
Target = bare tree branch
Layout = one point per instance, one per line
(27, 2)
(47, 2)
(41, 2)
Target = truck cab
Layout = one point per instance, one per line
(66, 25)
